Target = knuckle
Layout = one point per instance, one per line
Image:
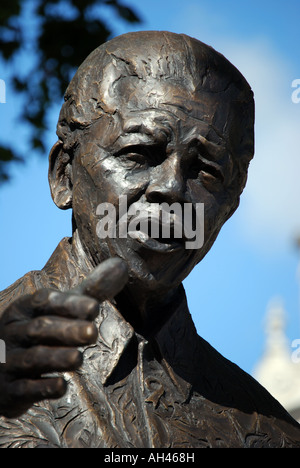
(82, 306)
(40, 297)
(55, 297)
(93, 307)
(19, 389)
(75, 358)
(35, 327)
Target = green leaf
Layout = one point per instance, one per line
(56, 47)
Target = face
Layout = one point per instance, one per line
(154, 148)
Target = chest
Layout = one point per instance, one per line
(149, 406)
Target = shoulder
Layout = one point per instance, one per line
(250, 405)
(28, 284)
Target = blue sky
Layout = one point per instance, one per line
(254, 260)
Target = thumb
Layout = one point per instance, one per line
(105, 281)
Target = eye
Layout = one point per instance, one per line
(140, 157)
(200, 168)
(133, 161)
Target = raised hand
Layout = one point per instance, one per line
(42, 332)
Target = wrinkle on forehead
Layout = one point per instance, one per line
(130, 95)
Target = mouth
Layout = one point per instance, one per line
(158, 243)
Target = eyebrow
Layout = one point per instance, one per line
(159, 126)
(133, 139)
(139, 133)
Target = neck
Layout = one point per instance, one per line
(147, 311)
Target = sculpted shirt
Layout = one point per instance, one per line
(171, 390)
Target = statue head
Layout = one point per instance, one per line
(157, 117)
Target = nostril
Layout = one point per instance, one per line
(154, 194)
(169, 193)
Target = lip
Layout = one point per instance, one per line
(155, 244)
(143, 225)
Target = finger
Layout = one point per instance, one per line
(52, 331)
(65, 304)
(50, 302)
(39, 360)
(105, 281)
(28, 391)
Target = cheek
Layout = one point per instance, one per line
(215, 207)
(87, 195)
(85, 202)
(111, 180)
(94, 179)
(99, 178)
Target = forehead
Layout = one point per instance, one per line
(158, 106)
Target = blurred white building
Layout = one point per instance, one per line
(279, 368)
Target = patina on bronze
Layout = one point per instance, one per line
(101, 349)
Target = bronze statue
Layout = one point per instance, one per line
(101, 349)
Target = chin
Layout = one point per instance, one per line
(159, 272)
(152, 270)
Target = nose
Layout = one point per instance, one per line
(167, 184)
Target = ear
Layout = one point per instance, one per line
(60, 176)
